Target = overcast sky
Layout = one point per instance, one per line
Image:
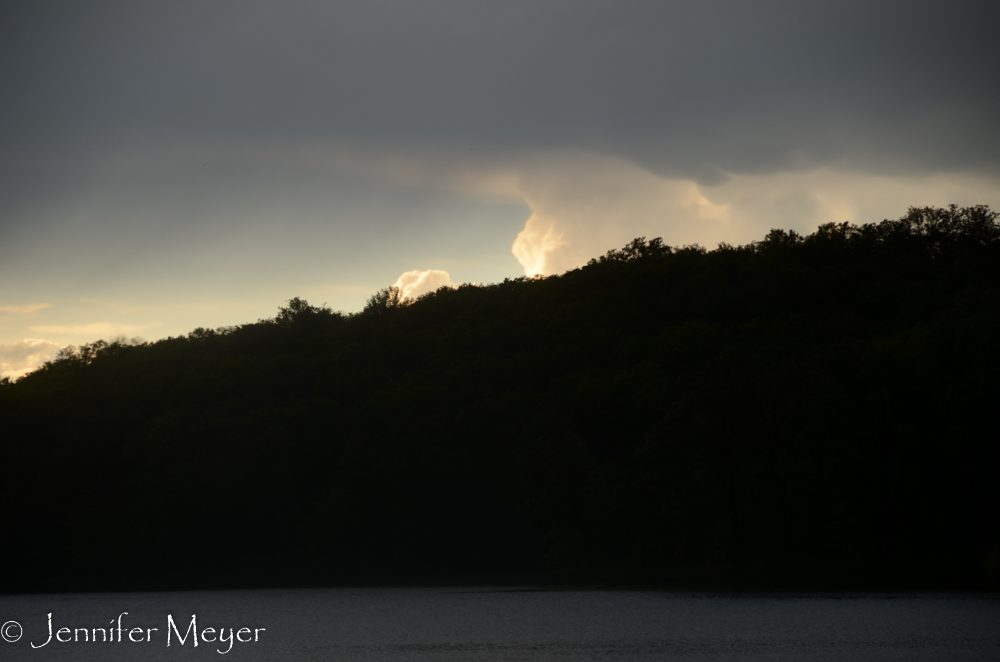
(171, 165)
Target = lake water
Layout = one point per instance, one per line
(502, 624)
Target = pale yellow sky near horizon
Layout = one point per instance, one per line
(579, 206)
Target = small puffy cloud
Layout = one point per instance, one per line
(96, 329)
(412, 284)
(20, 358)
(25, 310)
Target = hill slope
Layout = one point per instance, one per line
(808, 412)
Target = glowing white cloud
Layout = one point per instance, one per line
(412, 284)
(20, 358)
(536, 242)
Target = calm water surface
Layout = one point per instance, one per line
(501, 624)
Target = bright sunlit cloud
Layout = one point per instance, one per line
(412, 284)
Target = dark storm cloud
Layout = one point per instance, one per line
(682, 88)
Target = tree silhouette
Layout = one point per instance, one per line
(799, 412)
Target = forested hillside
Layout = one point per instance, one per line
(800, 412)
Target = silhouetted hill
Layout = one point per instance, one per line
(801, 412)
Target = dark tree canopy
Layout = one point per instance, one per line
(801, 412)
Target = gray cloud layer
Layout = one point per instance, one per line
(174, 164)
(684, 89)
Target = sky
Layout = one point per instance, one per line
(172, 165)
